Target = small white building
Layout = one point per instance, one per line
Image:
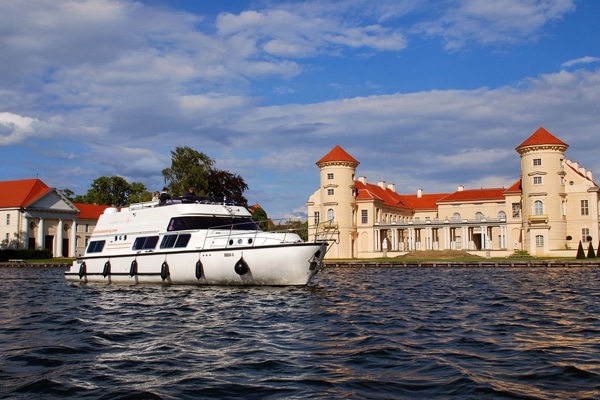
(35, 216)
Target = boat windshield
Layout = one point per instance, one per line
(212, 222)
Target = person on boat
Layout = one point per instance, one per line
(190, 196)
(156, 196)
(164, 197)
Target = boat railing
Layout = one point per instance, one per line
(231, 234)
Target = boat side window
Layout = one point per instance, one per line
(145, 243)
(211, 222)
(170, 241)
(95, 246)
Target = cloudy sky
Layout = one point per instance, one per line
(427, 94)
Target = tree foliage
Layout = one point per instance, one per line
(580, 251)
(591, 253)
(189, 168)
(224, 184)
(115, 191)
(260, 216)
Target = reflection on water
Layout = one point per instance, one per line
(354, 333)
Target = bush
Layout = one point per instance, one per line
(580, 252)
(24, 254)
(520, 254)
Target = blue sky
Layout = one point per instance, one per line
(425, 94)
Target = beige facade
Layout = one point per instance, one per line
(46, 223)
(553, 200)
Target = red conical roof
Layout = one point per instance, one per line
(337, 154)
(541, 137)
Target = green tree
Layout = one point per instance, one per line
(260, 216)
(112, 190)
(189, 168)
(138, 193)
(69, 194)
(224, 184)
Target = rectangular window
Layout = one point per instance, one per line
(171, 241)
(330, 175)
(95, 246)
(537, 180)
(87, 227)
(7, 219)
(145, 243)
(516, 210)
(585, 233)
(585, 210)
(330, 192)
(364, 216)
(317, 218)
(537, 162)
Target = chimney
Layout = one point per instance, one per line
(362, 179)
(381, 184)
(392, 187)
(420, 193)
(461, 188)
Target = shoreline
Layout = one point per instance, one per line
(462, 264)
(393, 264)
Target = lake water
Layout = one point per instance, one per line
(406, 333)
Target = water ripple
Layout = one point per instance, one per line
(517, 333)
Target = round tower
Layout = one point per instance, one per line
(543, 192)
(337, 201)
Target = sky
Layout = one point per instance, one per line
(425, 94)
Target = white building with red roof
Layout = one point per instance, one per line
(36, 216)
(554, 200)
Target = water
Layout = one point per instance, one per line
(434, 333)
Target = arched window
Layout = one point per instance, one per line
(330, 214)
(478, 216)
(456, 217)
(502, 215)
(538, 207)
(539, 241)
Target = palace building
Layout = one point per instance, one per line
(552, 207)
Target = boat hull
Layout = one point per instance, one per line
(287, 264)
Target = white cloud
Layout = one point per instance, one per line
(14, 128)
(582, 60)
(494, 22)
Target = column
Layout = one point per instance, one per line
(484, 237)
(40, 235)
(59, 238)
(411, 239)
(73, 240)
(25, 238)
(447, 238)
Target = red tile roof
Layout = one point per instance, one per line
(425, 202)
(471, 195)
(368, 191)
(540, 137)
(430, 201)
(515, 188)
(21, 193)
(337, 154)
(90, 211)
